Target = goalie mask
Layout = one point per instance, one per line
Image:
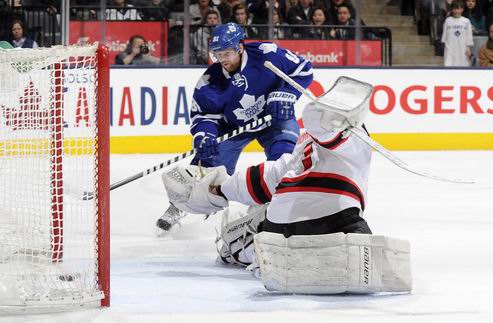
(344, 105)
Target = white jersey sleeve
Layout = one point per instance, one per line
(256, 184)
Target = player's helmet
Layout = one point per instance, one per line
(226, 36)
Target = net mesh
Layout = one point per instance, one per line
(48, 145)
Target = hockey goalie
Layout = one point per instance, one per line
(304, 229)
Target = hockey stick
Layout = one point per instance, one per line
(90, 195)
(362, 135)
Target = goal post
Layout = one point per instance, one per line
(54, 145)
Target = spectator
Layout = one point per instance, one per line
(225, 9)
(319, 20)
(446, 7)
(199, 10)
(473, 12)
(156, 10)
(423, 17)
(85, 13)
(240, 16)
(5, 18)
(18, 37)
(122, 11)
(260, 10)
(485, 55)
(174, 5)
(279, 31)
(457, 37)
(487, 9)
(332, 10)
(300, 14)
(343, 19)
(52, 6)
(200, 39)
(136, 53)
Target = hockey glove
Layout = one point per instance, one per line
(190, 193)
(207, 146)
(280, 105)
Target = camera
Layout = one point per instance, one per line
(144, 49)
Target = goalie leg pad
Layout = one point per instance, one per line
(235, 243)
(333, 263)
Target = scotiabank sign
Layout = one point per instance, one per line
(335, 52)
(118, 33)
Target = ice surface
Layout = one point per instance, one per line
(177, 279)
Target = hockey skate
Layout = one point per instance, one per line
(171, 217)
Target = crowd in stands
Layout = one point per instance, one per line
(244, 12)
(313, 15)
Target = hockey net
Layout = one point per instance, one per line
(54, 134)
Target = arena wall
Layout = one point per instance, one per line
(411, 109)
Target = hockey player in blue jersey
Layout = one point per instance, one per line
(237, 90)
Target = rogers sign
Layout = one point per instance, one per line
(440, 99)
(412, 100)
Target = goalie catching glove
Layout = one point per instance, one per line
(191, 193)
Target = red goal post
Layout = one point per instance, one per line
(54, 145)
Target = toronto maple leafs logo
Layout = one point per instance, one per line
(250, 108)
(240, 80)
(268, 47)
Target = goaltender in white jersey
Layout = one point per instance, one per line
(313, 221)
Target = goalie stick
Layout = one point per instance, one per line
(361, 134)
(265, 120)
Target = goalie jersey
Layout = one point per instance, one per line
(223, 102)
(321, 177)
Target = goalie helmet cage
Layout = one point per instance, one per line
(54, 144)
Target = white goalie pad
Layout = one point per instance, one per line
(344, 105)
(333, 263)
(188, 188)
(235, 242)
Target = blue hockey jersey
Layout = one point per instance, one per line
(222, 102)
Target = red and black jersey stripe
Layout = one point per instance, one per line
(307, 157)
(323, 183)
(256, 184)
(333, 143)
(337, 141)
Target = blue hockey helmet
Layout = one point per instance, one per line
(226, 36)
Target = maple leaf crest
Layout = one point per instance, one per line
(268, 47)
(250, 107)
(28, 114)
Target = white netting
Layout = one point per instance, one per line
(48, 132)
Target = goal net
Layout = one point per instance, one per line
(54, 134)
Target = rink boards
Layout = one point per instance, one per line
(410, 109)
